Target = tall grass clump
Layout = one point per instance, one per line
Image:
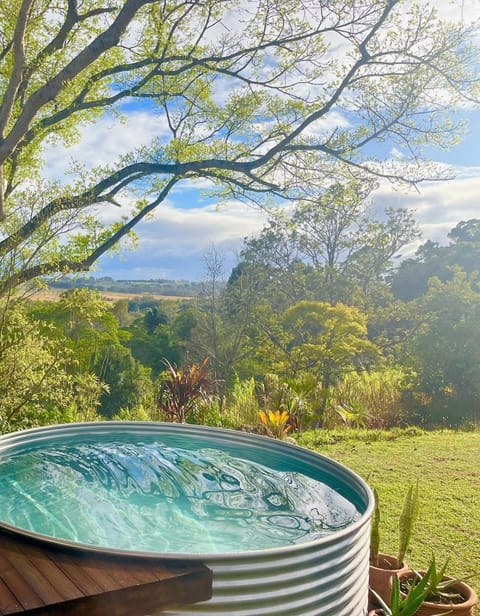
(369, 400)
(241, 406)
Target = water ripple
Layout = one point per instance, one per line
(152, 497)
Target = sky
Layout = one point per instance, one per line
(173, 243)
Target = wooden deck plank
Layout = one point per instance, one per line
(105, 578)
(44, 577)
(38, 579)
(78, 574)
(37, 582)
(108, 571)
(17, 584)
(8, 601)
(112, 576)
(135, 601)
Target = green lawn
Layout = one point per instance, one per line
(447, 465)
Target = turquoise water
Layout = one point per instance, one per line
(151, 496)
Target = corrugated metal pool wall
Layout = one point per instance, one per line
(330, 580)
(327, 577)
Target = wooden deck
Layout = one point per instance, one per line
(38, 579)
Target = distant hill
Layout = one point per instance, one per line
(174, 288)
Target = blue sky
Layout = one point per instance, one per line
(173, 243)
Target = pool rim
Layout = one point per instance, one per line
(10, 440)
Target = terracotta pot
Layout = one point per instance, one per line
(380, 577)
(467, 608)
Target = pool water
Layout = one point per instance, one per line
(153, 495)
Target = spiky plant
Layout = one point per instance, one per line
(181, 389)
(408, 604)
(407, 521)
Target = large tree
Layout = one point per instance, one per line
(39, 378)
(331, 249)
(252, 95)
(440, 261)
(316, 338)
(445, 349)
(90, 332)
(342, 237)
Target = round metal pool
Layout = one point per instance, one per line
(284, 530)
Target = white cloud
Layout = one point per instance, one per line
(327, 124)
(189, 232)
(193, 183)
(173, 243)
(437, 206)
(459, 10)
(104, 142)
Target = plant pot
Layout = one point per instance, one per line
(466, 608)
(380, 576)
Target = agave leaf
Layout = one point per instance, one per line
(407, 605)
(375, 531)
(407, 521)
(441, 575)
(420, 591)
(395, 599)
(416, 595)
(381, 602)
(440, 587)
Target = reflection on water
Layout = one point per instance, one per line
(151, 497)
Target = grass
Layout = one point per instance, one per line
(447, 465)
(53, 295)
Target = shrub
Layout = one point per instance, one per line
(181, 391)
(369, 400)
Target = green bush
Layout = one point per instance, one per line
(241, 404)
(369, 400)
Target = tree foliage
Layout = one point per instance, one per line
(331, 249)
(445, 349)
(434, 260)
(247, 93)
(90, 332)
(371, 364)
(320, 340)
(39, 382)
(155, 336)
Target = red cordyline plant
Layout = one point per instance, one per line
(181, 389)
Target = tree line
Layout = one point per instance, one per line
(329, 335)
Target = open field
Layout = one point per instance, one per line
(447, 465)
(53, 295)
